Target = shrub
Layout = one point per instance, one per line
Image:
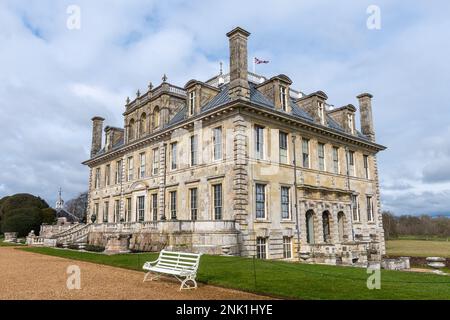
(22, 221)
(93, 248)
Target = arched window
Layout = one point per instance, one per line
(326, 226)
(310, 226)
(131, 130)
(143, 125)
(341, 229)
(156, 117)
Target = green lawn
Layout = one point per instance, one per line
(6, 244)
(418, 248)
(290, 280)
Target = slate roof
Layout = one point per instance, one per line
(257, 98)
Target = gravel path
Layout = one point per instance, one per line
(26, 275)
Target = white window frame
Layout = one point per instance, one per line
(307, 153)
(130, 166)
(369, 207)
(173, 204)
(288, 202)
(192, 98)
(336, 168)
(154, 198)
(155, 162)
(321, 156)
(350, 123)
(287, 244)
(142, 165)
(140, 210)
(217, 143)
(259, 141)
(105, 212)
(217, 203)
(118, 175)
(366, 166)
(193, 203)
(351, 163)
(174, 156)
(283, 98)
(283, 151)
(264, 217)
(261, 248)
(321, 112)
(194, 150)
(97, 178)
(355, 208)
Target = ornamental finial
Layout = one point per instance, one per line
(128, 100)
(150, 86)
(138, 93)
(164, 78)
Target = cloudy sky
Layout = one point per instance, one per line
(54, 79)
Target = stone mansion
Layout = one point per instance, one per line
(239, 164)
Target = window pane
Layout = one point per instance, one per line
(173, 205)
(259, 142)
(217, 201)
(305, 153)
(260, 201)
(284, 202)
(193, 204)
(217, 143)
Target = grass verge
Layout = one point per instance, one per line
(284, 279)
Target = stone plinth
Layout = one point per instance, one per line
(117, 243)
(396, 264)
(10, 237)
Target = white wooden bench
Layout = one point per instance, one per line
(178, 264)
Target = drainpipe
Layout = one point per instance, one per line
(297, 226)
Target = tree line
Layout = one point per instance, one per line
(408, 225)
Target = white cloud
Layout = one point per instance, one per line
(54, 80)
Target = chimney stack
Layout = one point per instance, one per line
(239, 87)
(97, 129)
(365, 109)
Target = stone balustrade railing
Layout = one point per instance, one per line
(166, 226)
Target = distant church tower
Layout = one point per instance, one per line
(60, 202)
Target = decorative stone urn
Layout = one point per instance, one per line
(10, 237)
(117, 243)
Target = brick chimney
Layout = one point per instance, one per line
(97, 129)
(365, 109)
(239, 87)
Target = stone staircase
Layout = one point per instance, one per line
(77, 234)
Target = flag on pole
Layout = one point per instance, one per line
(258, 61)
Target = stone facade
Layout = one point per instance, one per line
(239, 164)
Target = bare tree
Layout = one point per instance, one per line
(77, 206)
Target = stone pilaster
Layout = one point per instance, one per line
(240, 182)
(162, 181)
(379, 217)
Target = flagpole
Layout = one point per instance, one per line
(254, 66)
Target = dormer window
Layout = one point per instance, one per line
(350, 123)
(283, 98)
(191, 103)
(321, 112)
